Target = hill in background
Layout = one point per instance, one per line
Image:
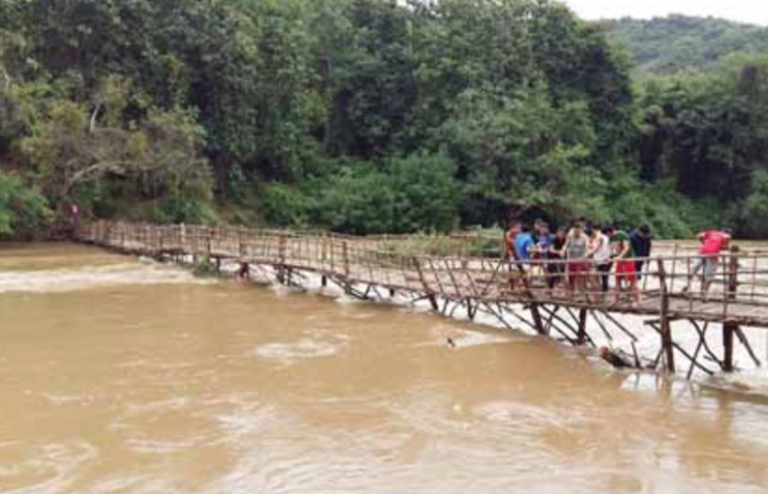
(671, 44)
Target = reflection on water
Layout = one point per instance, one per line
(120, 376)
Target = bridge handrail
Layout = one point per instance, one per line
(743, 274)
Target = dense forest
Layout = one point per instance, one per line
(668, 45)
(364, 116)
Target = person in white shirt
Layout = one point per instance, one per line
(599, 251)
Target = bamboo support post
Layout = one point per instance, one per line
(674, 268)
(744, 341)
(428, 292)
(582, 336)
(666, 326)
(729, 330)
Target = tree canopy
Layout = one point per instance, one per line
(668, 45)
(361, 116)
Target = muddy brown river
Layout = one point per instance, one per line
(119, 375)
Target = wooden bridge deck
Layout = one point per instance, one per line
(489, 284)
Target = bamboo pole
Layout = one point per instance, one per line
(666, 326)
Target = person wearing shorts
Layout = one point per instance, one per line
(713, 242)
(626, 268)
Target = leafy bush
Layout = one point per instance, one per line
(749, 215)
(356, 200)
(426, 195)
(22, 210)
(405, 195)
(670, 214)
(284, 206)
(487, 244)
(176, 210)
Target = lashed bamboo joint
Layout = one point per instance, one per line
(503, 289)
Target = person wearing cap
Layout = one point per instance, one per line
(713, 242)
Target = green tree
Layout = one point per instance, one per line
(23, 211)
(404, 195)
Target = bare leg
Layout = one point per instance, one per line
(619, 289)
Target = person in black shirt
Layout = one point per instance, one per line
(556, 270)
(642, 244)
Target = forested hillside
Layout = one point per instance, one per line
(670, 44)
(362, 116)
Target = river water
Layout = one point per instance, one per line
(123, 376)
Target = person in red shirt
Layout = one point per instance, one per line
(713, 242)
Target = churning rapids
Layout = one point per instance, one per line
(124, 376)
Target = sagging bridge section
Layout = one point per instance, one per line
(468, 274)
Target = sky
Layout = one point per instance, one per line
(751, 11)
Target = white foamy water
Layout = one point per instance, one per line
(91, 277)
(752, 381)
(305, 348)
(60, 465)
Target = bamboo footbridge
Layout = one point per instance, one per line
(456, 276)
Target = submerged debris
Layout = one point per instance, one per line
(617, 358)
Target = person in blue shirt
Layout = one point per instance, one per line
(544, 240)
(541, 250)
(524, 244)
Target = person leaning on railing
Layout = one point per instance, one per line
(600, 254)
(642, 245)
(510, 239)
(626, 269)
(555, 268)
(576, 252)
(713, 242)
(511, 254)
(540, 251)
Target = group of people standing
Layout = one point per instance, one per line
(586, 257)
(583, 258)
